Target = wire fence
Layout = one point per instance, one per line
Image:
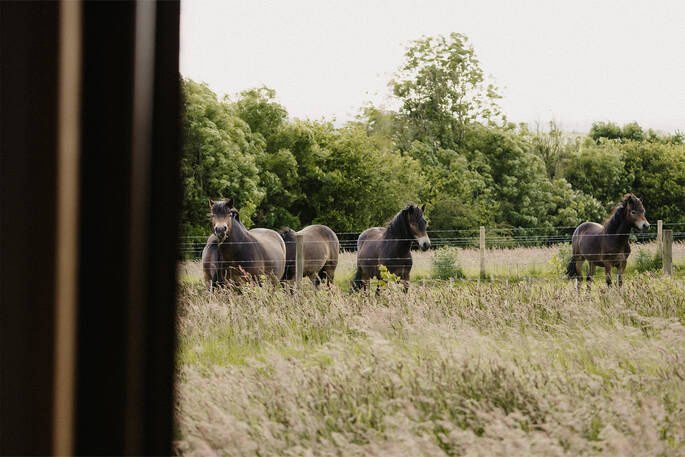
(494, 255)
(191, 246)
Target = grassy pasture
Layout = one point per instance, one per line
(524, 368)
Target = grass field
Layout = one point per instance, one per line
(519, 368)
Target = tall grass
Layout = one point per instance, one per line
(473, 369)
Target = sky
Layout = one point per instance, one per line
(573, 61)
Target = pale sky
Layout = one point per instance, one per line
(574, 61)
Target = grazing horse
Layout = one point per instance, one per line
(235, 254)
(391, 246)
(607, 245)
(320, 251)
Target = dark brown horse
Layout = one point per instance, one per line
(320, 251)
(235, 254)
(607, 245)
(391, 246)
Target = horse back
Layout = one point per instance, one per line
(370, 247)
(320, 248)
(370, 234)
(587, 239)
(273, 249)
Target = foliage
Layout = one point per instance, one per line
(600, 171)
(561, 259)
(659, 178)
(553, 147)
(219, 158)
(447, 145)
(386, 277)
(646, 261)
(443, 89)
(258, 108)
(446, 264)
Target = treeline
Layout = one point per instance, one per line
(447, 145)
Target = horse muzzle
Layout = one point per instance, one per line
(644, 226)
(424, 243)
(220, 233)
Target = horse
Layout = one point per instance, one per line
(391, 246)
(320, 251)
(607, 245)
(234, 254)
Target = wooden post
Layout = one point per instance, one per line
(659, 237)
(299, 258)
(668, 252)
(482, 251)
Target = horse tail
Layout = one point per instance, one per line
(289, 238)
(571, 271)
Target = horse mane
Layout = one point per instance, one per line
(398, 228)
(616, 218)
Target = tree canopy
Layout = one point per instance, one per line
(447, 145)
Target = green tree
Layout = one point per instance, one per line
(442, 89)
(659, 178)
(632, 131)
(607, 130)
(600, 171)
(458, 194)
(522, 193)
(219, 158)
(553, 147)
(258, 108)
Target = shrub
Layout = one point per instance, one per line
(646, 261)
(446, 264)
(561, 259)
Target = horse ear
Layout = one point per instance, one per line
(211, 203)
(229, 202)
(423, 208)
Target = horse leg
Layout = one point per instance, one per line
(607, 272)
(357, 282)
(579, 268)
(619, 273)
(404, 277)
(324, 277)
(360, 281)
(590, 272)
(217, 279)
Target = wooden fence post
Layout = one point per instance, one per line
(668, 252)
(659, 237)
(299, 258)
(482, 251)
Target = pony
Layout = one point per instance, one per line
(607, 245)
(234, 254)
(320, 251)
(391, 246)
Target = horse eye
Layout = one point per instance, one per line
(632, 212)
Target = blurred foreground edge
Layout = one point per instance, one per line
(89, 119)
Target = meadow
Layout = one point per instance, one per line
(462, 368)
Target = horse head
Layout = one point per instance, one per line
(223, 215)
(634, 212)
(417, 225)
